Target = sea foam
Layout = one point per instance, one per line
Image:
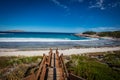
(42, 39)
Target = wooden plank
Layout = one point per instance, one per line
(50, 74)
(40, 68)
(42, 76)
(52, 68)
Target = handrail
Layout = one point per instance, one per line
(49, 57)
(45, 64)
(40, 67)
(32, 76)
(60, 66)
(64, 67)
(42, 76)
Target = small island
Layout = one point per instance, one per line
(15, 31)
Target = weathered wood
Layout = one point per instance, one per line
(59, 67)
(41, 67)
(42, 76)
(49, 58)
(65, 72)
(52, 68)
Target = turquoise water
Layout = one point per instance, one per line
(39, 36)
(46, 40)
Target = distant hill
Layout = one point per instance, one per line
(114, 34)
(14, 31)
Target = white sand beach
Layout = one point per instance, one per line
(15, 52)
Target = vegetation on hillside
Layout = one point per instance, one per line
(14, 68)
(113, 60)
(93, 69)
(10, 61)
(114, 34)
(89, 32)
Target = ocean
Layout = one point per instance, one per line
(38, 36)
(48, 39)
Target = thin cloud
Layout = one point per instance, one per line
(115, 4)
(105, 28)
(59, 4)
(99, 4)
(79, 1)
(102, 5)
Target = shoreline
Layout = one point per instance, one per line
(69, 51)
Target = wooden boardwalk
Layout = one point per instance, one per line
(52, 67)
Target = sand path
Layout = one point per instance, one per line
(14, 52)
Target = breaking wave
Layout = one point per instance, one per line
(42, 39)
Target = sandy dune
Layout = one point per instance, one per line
(14, 52)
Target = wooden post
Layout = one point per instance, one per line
(41, 66)
(66, 75)
(49, 58)
(42, 76)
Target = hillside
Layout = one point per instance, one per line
(113, 34)
(15, 31)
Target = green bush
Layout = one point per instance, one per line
(10, 61)
(113, 59)
(115, 34)
(91, 69)
(89, 32)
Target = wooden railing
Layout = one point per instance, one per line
(41, 73)
(64, 70)
(41, 68)
(49, 57)
(60, 66)
(66, 75)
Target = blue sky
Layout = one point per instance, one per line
(60, 15)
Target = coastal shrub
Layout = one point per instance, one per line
(112, 60)
(10, 61)
(17, 74)
(89, 32)
(91, 69)
(14, 68)
(115, 34)
(4, 61)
